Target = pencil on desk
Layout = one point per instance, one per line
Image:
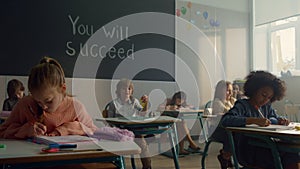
(69, 150)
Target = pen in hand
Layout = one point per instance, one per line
(38, 116)
(38, 126)
(266, 121)
(260, 113)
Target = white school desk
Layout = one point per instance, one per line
(265, 138)
(22, 154)
(145, 126)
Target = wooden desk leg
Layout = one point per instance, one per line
(173, 145)
(235, 161)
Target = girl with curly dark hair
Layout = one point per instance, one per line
(262, 88)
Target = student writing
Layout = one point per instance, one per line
(49, 110)
(262, 88)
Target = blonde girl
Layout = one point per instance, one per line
(48, 110)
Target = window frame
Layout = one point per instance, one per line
(270, 29)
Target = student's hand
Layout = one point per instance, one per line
(54, 133)
(283, 121)
(144, 98)
(172, 107)
(142, 113)
(39, 129)
(263, 122)
(259, 121)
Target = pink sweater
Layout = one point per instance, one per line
(70, 118)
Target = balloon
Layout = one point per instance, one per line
(214, 23)
(177, 12)
(189, 4)
(198, 13)
(205, 15)
(211, 22)
(217, 23)
(192, 21)
(183, 10)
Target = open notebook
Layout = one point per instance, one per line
(69, 139)
(271, 127)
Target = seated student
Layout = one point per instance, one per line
(49, 110)
(15, 91)
(262, 88)
(125, 105)
(222, 103)
(237, 93)
(179, 101)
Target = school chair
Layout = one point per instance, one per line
(105, 115)
(208, 104)
(105, 110)
(209, 140)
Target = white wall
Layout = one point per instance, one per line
(260, 46)
(213, 52)
(267, 11)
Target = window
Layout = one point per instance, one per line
(283, 52)
(276, 46)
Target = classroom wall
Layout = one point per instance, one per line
(213, 42)
(202, 59)
(217, 47)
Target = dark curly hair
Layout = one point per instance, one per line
(258, 79)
